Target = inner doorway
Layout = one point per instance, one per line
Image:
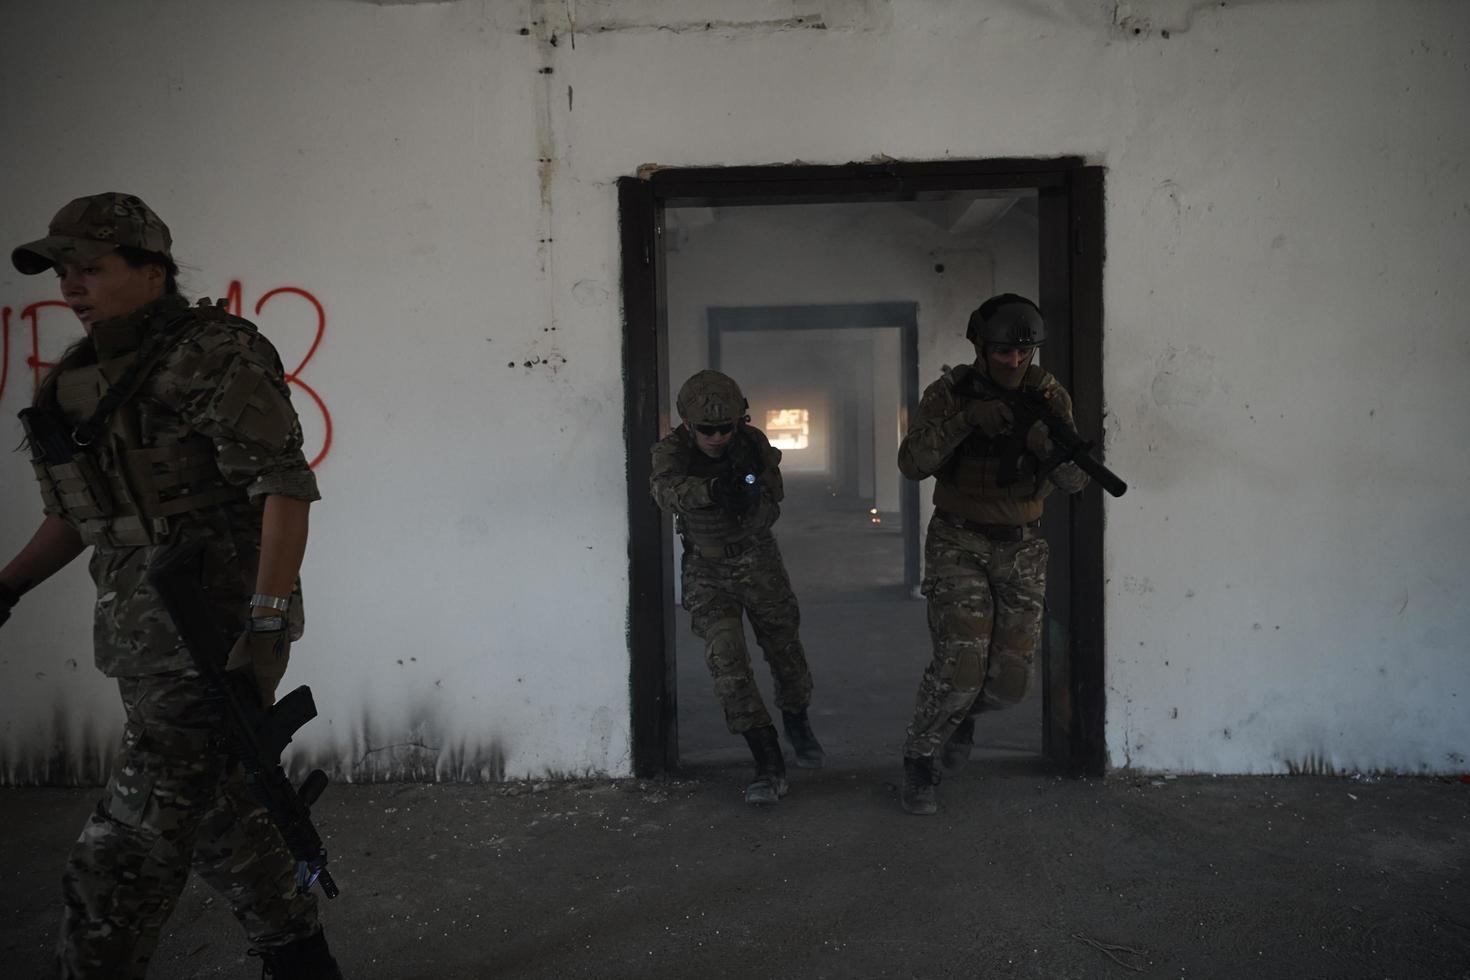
(833, 386)
(669, 336)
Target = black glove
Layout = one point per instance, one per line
(735, 492)
(8, 598)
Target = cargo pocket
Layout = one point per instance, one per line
(129, 793)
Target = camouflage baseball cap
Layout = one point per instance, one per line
(90, 227)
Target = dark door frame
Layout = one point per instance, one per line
(837, 316)
(1070, 214)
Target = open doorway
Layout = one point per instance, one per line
(765, 272)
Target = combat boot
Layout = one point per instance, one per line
(304, 959)
(919, 779)
(956, 751)
(809, 754)
(770, 766)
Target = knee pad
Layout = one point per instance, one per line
(724, 644)
(969, 670)
(1008, 681)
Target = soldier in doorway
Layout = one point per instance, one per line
(985, 561)
(721, 479)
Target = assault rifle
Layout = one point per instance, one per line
(257, 734)
(1028, 408)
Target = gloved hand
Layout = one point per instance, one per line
(265, 654)
(990, 415)
(1038, 442)
(735, 492)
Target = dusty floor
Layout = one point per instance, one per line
(1021, 874)
(866, 639)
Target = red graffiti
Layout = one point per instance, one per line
(235, 303)
(33, 359)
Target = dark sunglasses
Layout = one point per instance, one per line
(716, 430)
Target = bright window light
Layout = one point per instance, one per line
(788, 428)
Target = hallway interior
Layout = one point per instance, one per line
(866, 639)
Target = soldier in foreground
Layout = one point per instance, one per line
(985, 561)
(168, 426)
(721, 480)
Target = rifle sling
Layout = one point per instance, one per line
(164, 340)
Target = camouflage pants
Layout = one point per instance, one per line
(985, 611)
(716, 590)
(173, 803)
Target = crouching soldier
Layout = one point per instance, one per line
(721, 480)
(984, 557)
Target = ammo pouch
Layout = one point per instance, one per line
(70, 481)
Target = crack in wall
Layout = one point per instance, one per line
(813, 22)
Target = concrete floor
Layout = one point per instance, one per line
(866, 639)
(1021, 873)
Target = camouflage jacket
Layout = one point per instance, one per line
(221, 385)
(940, 443)
(681, 478)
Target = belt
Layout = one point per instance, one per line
(995, 532)
(731, 550)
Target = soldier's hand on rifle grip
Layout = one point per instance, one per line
(727, 492)
(990, 415)
(265, 652)
(1038, 442)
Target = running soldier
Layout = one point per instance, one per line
(984, 557)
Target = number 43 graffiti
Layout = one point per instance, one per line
(235, 302)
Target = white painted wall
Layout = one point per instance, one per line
(1286, 226)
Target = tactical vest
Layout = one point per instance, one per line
(117, 491)
(971, 476)
(712, 526)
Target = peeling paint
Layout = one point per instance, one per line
(1184, 376)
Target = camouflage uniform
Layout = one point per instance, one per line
(985, 563)
(732, 564)
(190, 458)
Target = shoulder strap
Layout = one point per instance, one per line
(160, 343)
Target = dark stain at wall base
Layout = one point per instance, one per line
(63, 753)
(1312, 764)
(67, 752)
(418, 752)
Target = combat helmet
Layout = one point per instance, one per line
(1007, 320)
(710, 397)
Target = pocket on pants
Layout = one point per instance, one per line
(128, 797)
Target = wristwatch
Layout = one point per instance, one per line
(260, 600)
(265, 624)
